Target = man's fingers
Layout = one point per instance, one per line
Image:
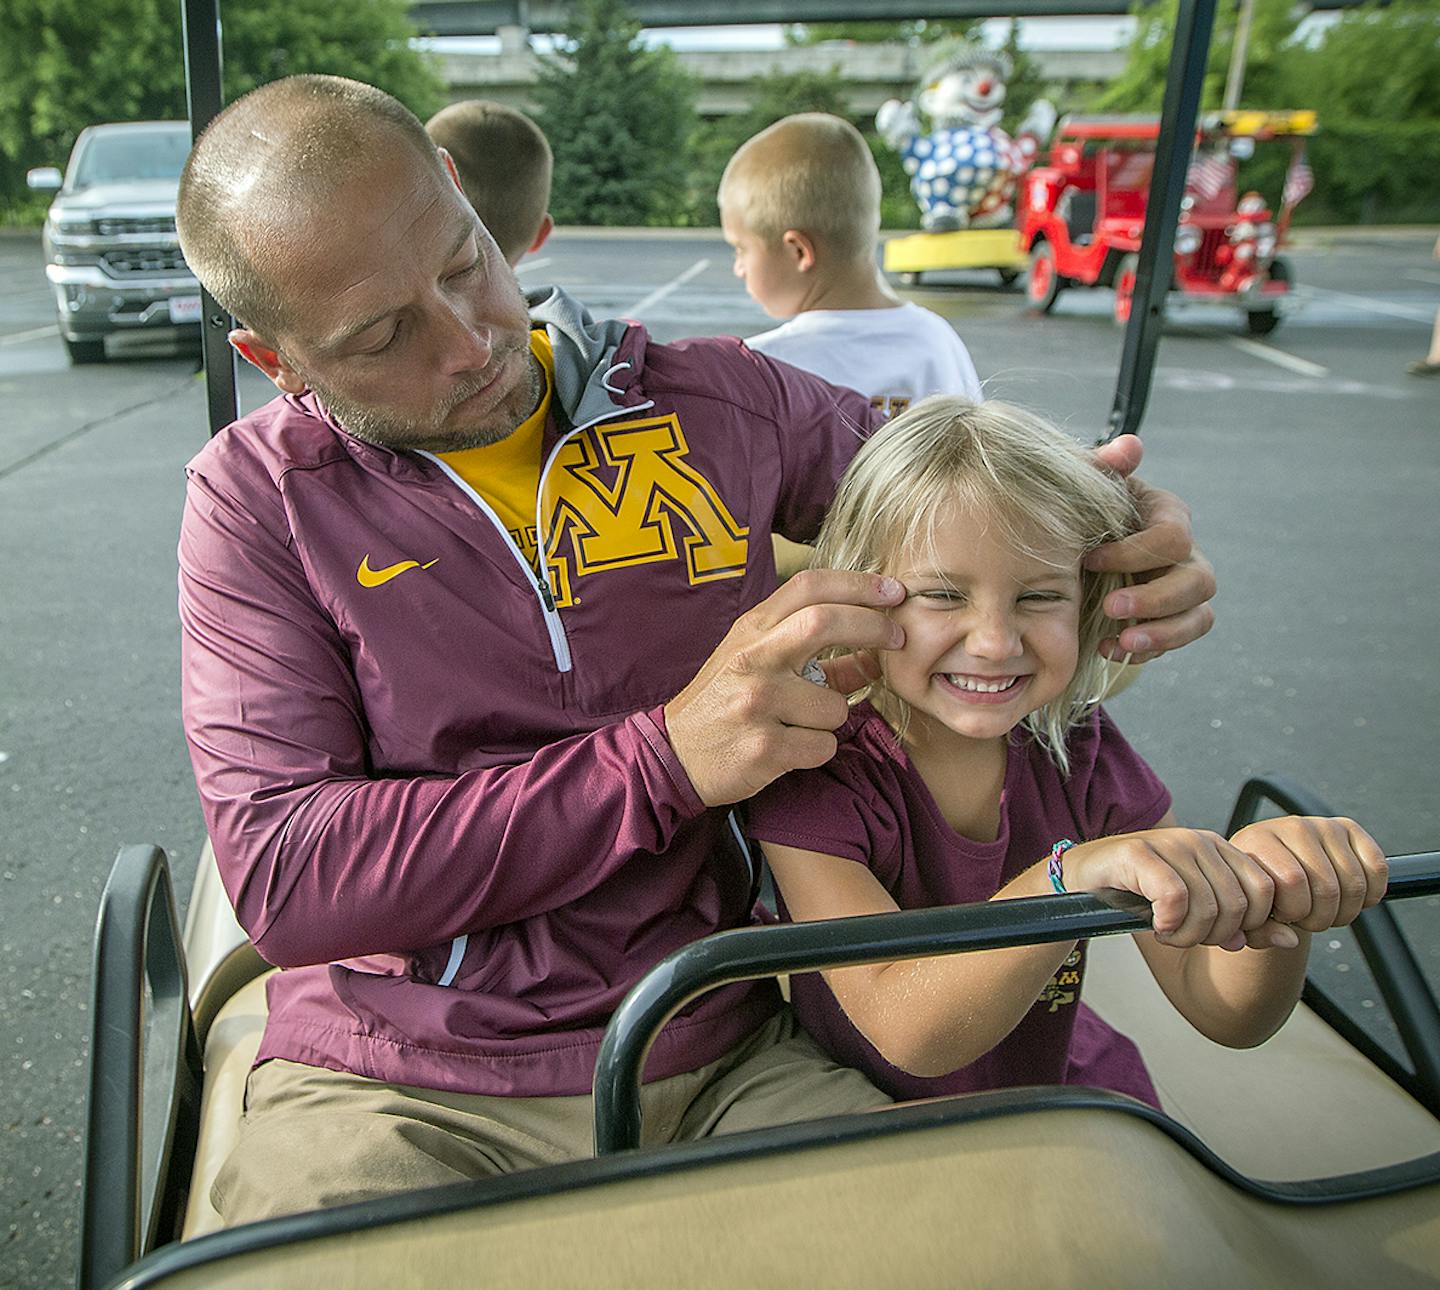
(1121, 455)
(825, 587)
(851, 672)
(1149, 639)
(814, 629)
(1166, 542)
(804, 705)
(1176, 590)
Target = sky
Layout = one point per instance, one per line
(1035, 33)
(1070, 33)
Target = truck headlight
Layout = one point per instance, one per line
(1187, 239)
(71, 226)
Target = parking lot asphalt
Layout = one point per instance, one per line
(1311, 460)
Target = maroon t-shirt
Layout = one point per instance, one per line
(869, 804)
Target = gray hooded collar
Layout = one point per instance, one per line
(586, 387)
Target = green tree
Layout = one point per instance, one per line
(915, 31)
(619, 117)
(1141, 86)
(67, 64)
(1377, 153)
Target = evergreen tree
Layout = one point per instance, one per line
(619, 118)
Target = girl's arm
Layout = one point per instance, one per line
(932, 1016)
(926, 1016)
(1322, 874)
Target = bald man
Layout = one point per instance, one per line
(478, 648)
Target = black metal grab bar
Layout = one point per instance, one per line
(754, 952)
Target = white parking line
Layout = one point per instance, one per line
(35, 333)
(659, 294)
(1279, 357)
(1408, 312)
(526, 265)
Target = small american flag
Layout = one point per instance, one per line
(1299, 180)
(1208, 175)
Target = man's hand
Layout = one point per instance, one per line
(749, 716)
(1174, 582)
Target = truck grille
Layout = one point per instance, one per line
(1204, 262)
(145, 262)
(120, 227)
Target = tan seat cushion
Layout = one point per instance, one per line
(1078, 1198)
(230, 1050)
(1302, 1105)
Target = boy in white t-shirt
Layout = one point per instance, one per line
(800, 205)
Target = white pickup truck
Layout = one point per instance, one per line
(111, 252)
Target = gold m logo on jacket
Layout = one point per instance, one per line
(626, 495)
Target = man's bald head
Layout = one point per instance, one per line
(268, 160)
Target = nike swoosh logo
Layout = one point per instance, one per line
(368, 577)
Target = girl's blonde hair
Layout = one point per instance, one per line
(1030, 479)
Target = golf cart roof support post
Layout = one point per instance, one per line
(204, 97)
(1183, 86)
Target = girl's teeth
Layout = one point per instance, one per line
(981, 687)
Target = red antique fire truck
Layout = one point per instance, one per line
(1080, 217)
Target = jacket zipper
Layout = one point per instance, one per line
(559, 643)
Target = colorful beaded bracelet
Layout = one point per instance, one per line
(1054, 867)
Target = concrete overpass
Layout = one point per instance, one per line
(488, 17)
(872, 73)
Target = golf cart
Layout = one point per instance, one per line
(980, 1190)
(1080, 217)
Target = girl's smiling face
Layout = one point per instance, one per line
(991, 629)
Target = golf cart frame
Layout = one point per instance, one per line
(153, 1028)
(1080, 216)
(142, 1136)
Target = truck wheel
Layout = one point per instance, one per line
(1125, 273)
(1261, 322)
(1043, 283)
(85, 351)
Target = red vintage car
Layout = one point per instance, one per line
(1081, 216)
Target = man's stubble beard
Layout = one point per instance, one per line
(410, 436)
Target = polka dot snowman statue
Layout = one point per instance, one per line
(963, 173)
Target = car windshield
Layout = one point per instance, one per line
(109, 158)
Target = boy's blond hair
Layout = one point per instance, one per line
(1029, 478)
(812, 173)
(505, 165)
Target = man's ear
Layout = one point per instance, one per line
(546, 226)
(800, 248)
(258, 352)
(449, 163)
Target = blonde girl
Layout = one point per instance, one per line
(981, 766)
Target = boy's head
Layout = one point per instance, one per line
(1024, 483)
(504, 163)
(798, 201)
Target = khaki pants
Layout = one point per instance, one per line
(312, 1138)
